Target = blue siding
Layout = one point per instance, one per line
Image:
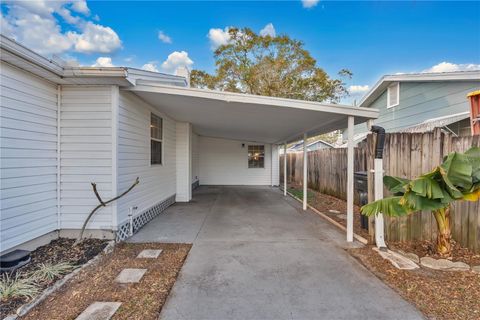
(420, 101)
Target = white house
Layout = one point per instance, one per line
(65, 127)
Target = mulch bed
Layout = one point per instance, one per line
(438, 294)
(427, 249)
(143, 300)
(324, 203)
(57, 251)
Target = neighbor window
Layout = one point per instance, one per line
(393, 95)
(156, 138)
(256, 156)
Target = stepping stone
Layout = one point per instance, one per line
(149, 254)
(130, 275)
(397, 260)
(99, 311)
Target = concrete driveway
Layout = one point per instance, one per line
(257, 255)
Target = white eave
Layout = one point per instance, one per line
(22, 57)
(385, 81)
(248, 117)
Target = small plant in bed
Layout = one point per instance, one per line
(17, 286)
(48, 264)
(49, 272)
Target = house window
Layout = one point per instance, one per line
(393, 95)
(156, 139)
(256, 156)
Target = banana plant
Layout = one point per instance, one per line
(457, 178)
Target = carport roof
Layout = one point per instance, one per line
(248, 117)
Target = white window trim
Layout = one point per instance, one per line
(264, 156)
(397, 84)
(155, 139)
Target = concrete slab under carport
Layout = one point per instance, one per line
(258, 255)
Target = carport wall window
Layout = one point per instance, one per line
(156, 139)
(256, 156)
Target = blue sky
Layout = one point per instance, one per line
(369, 38)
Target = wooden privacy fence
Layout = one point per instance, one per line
(327, 169)
(406, 155)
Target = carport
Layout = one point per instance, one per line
(275, 121)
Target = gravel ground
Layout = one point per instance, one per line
(143, 300)
(324, 203)
(57, 251)
(438, 294)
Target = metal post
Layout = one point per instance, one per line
(350, 179)
(305, 163)
(285, 169)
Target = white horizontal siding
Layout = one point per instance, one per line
(86, 155)
(225, 162)
(157, 182)
(28, 156)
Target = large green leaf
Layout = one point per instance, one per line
(426, 186)
(457, 171)
(473, 156)
(415, 202)
(395, 184)
(388, 206)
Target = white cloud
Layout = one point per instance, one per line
(358, 89)
(451, 67)
(310, 3)
(268, 30)
(39, 33)
(176, 59)
(95, 38)
(81, 7)
(103, 62)
(35, 24)
(163, 37)
(218, 37)
(151, 66)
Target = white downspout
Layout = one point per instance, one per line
(59, 185)
(378, 184)
(305, 171)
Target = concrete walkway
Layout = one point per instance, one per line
(257, 255)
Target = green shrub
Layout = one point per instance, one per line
(15, 287)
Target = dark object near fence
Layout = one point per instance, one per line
(361, 187)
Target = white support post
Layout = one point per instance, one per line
(379, 224)
(285, 169)
(350, 179)
(305, 170)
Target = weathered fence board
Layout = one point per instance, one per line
(406, 155)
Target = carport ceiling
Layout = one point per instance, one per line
(248, 117)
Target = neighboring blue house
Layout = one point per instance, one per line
(421, 102)
(311, 146)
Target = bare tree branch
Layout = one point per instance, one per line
(102, 204)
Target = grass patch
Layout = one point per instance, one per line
(299, 194)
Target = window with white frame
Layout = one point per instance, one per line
(393, 95)
(156, 139)
(256, 156)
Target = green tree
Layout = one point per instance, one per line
(270, 66)
(457, 178)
